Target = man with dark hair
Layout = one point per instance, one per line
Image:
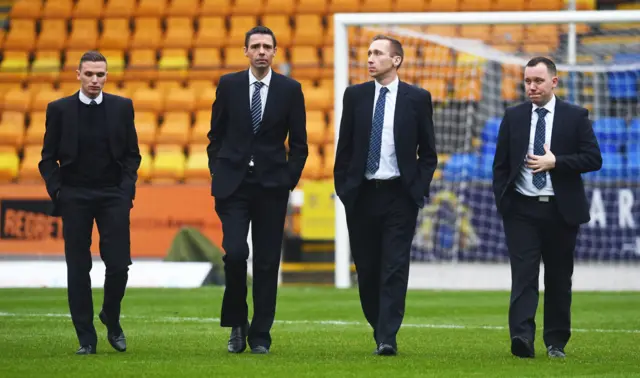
(383, 184)
(543, 146)
(90, 160)
(252, 175)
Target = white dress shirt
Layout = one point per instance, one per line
(524, 182)
(87, 100)
(388, 168)
(263, 91)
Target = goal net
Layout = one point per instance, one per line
(473, 66)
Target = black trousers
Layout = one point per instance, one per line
(535, 230)
(381, 228)
(266, 210)
(110, 208)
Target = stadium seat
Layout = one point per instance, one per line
(206, 64)
(12, 129)
(611, 133)
(182, 99)
(147, 100)
(147, 33)
(490, 130)
(115, 34)
(376, 6)
(247, 7)
(485, 166)
(142, 65)
(183, 8)
(25, 9)
(442, 6)
(409, 6)
(234, 59)
(84, 34)
(474, 6)
(146, 126)
(150, 8)
(175, 129)
(206, 98)
(507, 5)
(36, 129)
(239, 26)
(312, 7)
(316, 127)
(16, 100)
(21, 35)
(633, 136)
(633, 165)
(281, 7)
(328, 160)
(53, 34)
(28, 170)
(507, 34)
(201, 127)
(318, 99)
(313, 167)
(437, 88)
(197, 164)
(146, 163)
(119, 9)
(542, 34)
(115, 64)
(173, 64)
(281, 27)
(215, 7)
(461, 166)
(480, 32)
(9, 164)
(343, 6)
(544, 5)
(46, 66)
(43, 98)
(179, 33)
(211, 32)
(69, 87)
(305, 62)
(14, 66)
(169, 164)
(613, 168)
(623, 84)
(60, 9)
(88, 9)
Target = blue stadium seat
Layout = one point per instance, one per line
(611, 133)
(461, 167)
(633, 135)
(626, 58)
(633, 165)
(613, 168)
(490, 130)
(485, 166)
(623, 85)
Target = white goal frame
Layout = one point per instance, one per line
(341, 75)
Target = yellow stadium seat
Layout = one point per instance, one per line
(21, 35)
(173, 64)
(115, 34)
(215, 7)
(376, 6)
(53, 34)
(89, 9)
(179, 33)
(57, 9)
(146, 126)
(17, 100)
(142, 65)
(14, 66)
(183, 8)
(84, 34)
(167, 86)
(239, 26)
(182, 99)
(285, 7)
(169, 164)
(344, 6)
(235, 59)
(305, 63)
(467, 89)
(318, 99)
(437, 88)
(199, 86)
(20, 9)
(280, 26)
(35, 131)
(312, 7)
(211, 32)
(408, 6)
(147, 33)
(43, 98)
(175, 129)
(442, 6)
(316, 127)
(509, 88)
(309, 30)
(247, 7)
(148, 100)
(313, 167)
(144, 172)
(12, 129)
(9, 164)
(201, 127)
(28, 171)
(197, 164)
(206, 98)
(69, 87)
(46, 66)
(206, 64)
(132, 86)
(507, 5)
(150, 8)
(119, 8)
(72, 60)
(115, 64)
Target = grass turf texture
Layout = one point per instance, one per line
(175, 333)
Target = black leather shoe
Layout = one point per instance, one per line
(259, 349)
(238, 339)
(115, 337)
(86, 349)
(555, 352)
(385, 350)
(522, 347)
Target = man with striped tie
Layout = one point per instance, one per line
(382, 183)
(543, 146)
(252, 176)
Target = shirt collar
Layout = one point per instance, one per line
(265, 80)
(86, 100)
(392, 87)
(550, 106)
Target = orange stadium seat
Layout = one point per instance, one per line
(150, 8)
(146, 127)
(309, 30)
(175, 129)
(206, 99)
(197, 164)
(28, 171)
(142, 65)
(147, 33)
(115, 64)
(542, 34)
(239, 26)
(316, 127)
(311, 6)
(57, 9)
(408, 6)
(119, 8)
(507, 34)
(281, 27)
(72, 60)
(211, 32)
(43, 98)
(179, 33)
(215, 7)
(17, 100)
(181, 99)
(544, 5)
(313, 167)
(305, 62)
(206, 64)
(12, 129)
(9, 164)
(183, 8)
(474, 6)
(480, 32)
(88, 9)
(247, 7)
(14, 66)
(285, 7)
(376, 6)
(146, 99)
(437, 87)
(201, 127)
(168, 165)
(53, 34)
(507, 5)
(144, 172)
(46, 66)
(343, 6)
(442, 5)
(84, 34)
(115, 34)
(31, 9)
(234, 59)
(21, 35)
(36, 129)
(318, 99)
(132, 86)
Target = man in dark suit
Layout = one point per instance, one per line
(90, 160)
(543, 147)
(382, 183)
(252, 176)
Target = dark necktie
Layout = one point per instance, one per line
(540, 179)
(375, 139)
(93, 103)
(256, 107)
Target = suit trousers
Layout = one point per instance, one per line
(265, 209)
(110, 208)
(535, 230)
(381, 229)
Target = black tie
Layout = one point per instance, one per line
(93, 103)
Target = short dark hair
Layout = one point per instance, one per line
(396, 46)
(259, 30)
(551, 67)
(91, 56)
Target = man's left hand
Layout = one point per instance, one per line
(542, 163)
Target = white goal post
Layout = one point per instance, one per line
(342, 65)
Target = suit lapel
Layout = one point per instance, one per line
(400, 113)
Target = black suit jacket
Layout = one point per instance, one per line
(232, 141)
(572, 142)
(413, 132)
(61, 141)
